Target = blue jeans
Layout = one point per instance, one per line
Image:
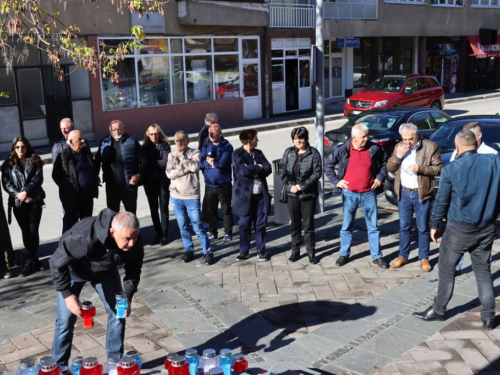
(455, 244)
(190, 208)
(350, 203)
(408, 204)
(106, 288)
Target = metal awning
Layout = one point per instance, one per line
(441, 47)
(480, 51)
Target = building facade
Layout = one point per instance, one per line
(245, 60)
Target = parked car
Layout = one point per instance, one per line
(383, 124)
(444, 137)
(388, 91)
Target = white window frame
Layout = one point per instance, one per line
(136, 55)
(410, 2)
(489, 5)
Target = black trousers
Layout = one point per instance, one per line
(28, 217)
(213, 196)
(158, 196)
(302, 210)
(117, 194)
(76, 212)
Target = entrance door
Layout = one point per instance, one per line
(305, 98)
(292, 84)
(250, 65)
(336, 77)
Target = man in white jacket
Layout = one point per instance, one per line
(183, 169)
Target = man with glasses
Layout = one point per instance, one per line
(215, 162)
(416, 161)
(123, 163)
(74, 173)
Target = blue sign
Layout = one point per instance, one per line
(348, 43)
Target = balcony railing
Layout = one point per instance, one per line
(351, 9)
(292, 15)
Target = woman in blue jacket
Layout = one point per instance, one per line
(251, 199)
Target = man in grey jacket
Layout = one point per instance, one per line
(183, 169)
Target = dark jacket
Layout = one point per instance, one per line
(134, 160)
(28, 179)
(469, 192)
(89, 251)
(311, 169)
(220, 173)
(203, 136)
(429, 158)
(57, 148)
(65, 176)
(340, 156)
(157, 157)
(244, 171)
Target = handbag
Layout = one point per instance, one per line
(283, 195)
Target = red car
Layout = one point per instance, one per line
(390, 91)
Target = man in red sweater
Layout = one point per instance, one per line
(361, 170)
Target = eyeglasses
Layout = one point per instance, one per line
(20, 147)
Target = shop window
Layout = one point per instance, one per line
(176, 45)
(227, 79)
(199, 78)
(292, 52)
(178, 80)
(225, 45)
(8, 85)
(406, 1)
(304, 52)
(326, 47)
(250, 48)
(277, 71)
(154, 46)
(277, 53)
(122, 94)
(250, 80)
(110, 45)
(31, 93)
(334, 48)
(154, 81)
(198, 45)
(80, 83)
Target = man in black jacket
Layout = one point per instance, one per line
(90, 252)
(66, 127)
(74, 173)
(361, 170)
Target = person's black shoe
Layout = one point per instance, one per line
(241, 257)
(156, 239)
(262, 256)
(342, 261)
(488, 325)
(209, 258)
(5, 273)
(164, 241)
(295, 256)
(381, 263)
(429, 315)
(28, 268)
(38, 265)
(312, 258)
(188, 257)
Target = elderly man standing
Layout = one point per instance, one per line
(66, 127)
(90, 252)
(416, 162)
(216, 157)
(361, 170)
(74, 173)
(183, 167)
(469, 198)
(123, 163)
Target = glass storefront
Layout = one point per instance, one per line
(180, 70)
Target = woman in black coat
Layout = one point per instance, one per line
(300, 170)
(22, 178)
(156, 183)
(251, 199)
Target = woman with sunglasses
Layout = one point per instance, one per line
(156, 183)
(300, 171)
(22, 178)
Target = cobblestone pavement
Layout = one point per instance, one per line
(290, 318)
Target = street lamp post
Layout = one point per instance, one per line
(320, 100)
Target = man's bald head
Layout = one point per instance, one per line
(76, 140)
(465, 140)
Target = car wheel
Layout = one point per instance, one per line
(436, 105)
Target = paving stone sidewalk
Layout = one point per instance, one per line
(287, 317)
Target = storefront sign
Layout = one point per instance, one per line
(493, 50)
(152, 23)
(348, 43)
